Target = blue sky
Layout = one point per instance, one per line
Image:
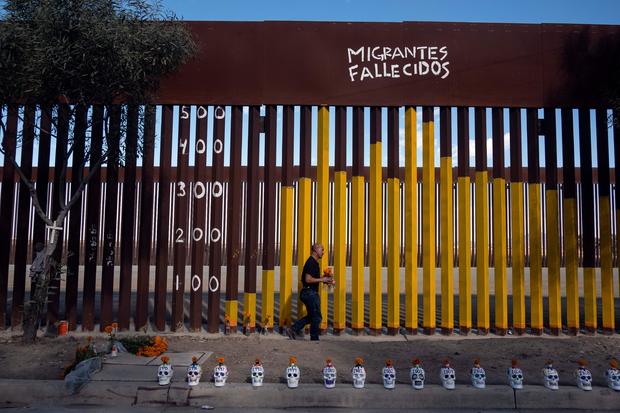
(522, 11)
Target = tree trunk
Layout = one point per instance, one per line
(34, 308)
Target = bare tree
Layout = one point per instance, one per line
(86, 68)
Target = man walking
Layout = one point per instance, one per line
(309, 295)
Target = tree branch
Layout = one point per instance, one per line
(78, 192)
(31, 188)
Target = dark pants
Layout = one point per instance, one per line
(312, 301)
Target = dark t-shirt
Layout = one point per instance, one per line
(311, 267)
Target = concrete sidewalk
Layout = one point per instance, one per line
(14, 393)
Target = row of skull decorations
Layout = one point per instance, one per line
(447, 375)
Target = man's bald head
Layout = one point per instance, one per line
(317, 250)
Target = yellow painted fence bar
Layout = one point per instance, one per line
(499, 255)
(535, 253)
(572, 283)
(340, 249)
(518, 257)
(286, 255)
(267, 298)
(322, 200)
(428, 219)
(249, 304)
(607, 280)
(375, 220)
(447, 245)
(393, 255)
(304, 205)
(357, 253)
(482, 252)
(553, 264)
(465, 310)
(411, 223)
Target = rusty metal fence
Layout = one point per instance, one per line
(176, 215)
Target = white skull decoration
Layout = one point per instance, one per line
(220, 373)
(417, 375)
(447, 376)
(194, 371)
(515, 376)
(389, 375)
(258, 373)
(583, 376)
(292, 374)
(164, 372)
(329, 374)
(359, 374)
(613, 375)
(478, 375)
(551, 378)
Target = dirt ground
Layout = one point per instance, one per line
(47, 358)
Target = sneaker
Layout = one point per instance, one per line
(291, 333)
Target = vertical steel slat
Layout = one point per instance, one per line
(251, 213)
(517, 216)
(588, 230)
(42, 178)
(6, 208)
(358, 215)
(127, 220)
(93, 209)
(75, 219)
(339, 219)
(23, 217)
(445, 213)
(499, 223)
(287, 215)
(553, 227)
(109, 232)
(196, 236)
(145, 228)
(535, 219)
(464, 221)
(392, 224)
(163, 223)
(216, 230)
(482, 223)
(59, 190)
(182, 234)
(428, 219)
(375, 214)
(304, 199)
(269, 219)
(234, 216)
(605, 219)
